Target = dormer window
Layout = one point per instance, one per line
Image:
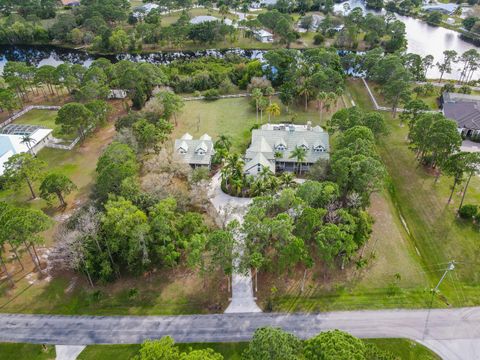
(200, 152)
(280, 147)
(319, 148)
(303, 146)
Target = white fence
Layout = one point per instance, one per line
(63, 147)
(192, 98)
(25, 110)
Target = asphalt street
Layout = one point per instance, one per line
(428, 326)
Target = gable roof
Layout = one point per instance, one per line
(191, 149)
(265, 140)
(259, 159)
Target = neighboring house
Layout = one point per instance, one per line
(258, 4)
(316, 21)
(207, 18)
(145, 9)
(446, 9)
(263, 36)
(465, 110)
(198, 152)
(11, 137)
(70, 2)
(272, 147)
(117, 94)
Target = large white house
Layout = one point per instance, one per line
(196, 152)
(12, 141)
(272, 146)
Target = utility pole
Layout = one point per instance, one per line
(450, 267)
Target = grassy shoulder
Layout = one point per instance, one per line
(404, 349)
(433, 229)
(13, 351)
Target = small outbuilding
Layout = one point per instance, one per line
(263, 36)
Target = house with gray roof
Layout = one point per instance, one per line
(465, 110)
(446, 9)
(272, 146)
(196, 152)
(208, 18)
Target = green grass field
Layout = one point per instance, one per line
(234, 117)
(44, 118)
(26, 352)
(404, 349)
(437, 235)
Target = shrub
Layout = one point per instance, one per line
(468, 211)
(211, 94)
(318, 39)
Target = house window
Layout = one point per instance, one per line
(281, 147)
(304, 147)
(182, 151)
(200, 152)
(319, 149)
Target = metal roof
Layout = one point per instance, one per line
(273, 138)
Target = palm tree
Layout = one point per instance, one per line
(331, 97)
(269, 91)
(257, 96)
(299, 153)
(28, 140)
(265, 173)
(321, 97)
(223, 10)
(273, 110)
(223, 142)
(262, 106)
(287, 180)
(304, 90)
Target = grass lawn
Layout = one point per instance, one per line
(433, 229)
(12, 351)
(46, 119)
(430, 100)
(235, 117)
(404, 349)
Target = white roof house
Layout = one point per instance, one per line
(447, 9)
(144, 10)
(272, 146)
(11, 141)
(263, 36)
(207, 18)
(195, 152)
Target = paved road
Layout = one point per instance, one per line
(436, 325)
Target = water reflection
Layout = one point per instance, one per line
(423, 39)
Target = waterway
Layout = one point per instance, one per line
(423, 39)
